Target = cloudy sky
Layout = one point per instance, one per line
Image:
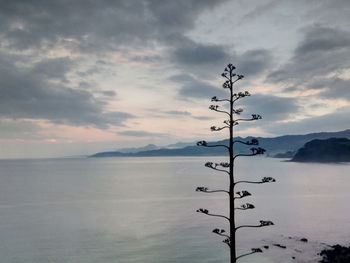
(82, 76)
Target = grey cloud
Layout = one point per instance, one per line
(136, 133)
(271, 108)
(184, 113)
(253, 62)
(329, 12)
(318, 105)
(204, 60)
(172, 15)
(91, 71)
(260, 10)
(102, 62)
(322, 51)
(332, 88)
(178, 113)
(24, 94)
(338, 120)
(90, 25)
(147, 59)
(85, 85)
(181, 78)
(100, 66)
(291, 89)
(55, 68)
(109, 93)
(203, 118)
(200, 90)
(194, 54)
(322, 39)
(193, 88)
(19, 129)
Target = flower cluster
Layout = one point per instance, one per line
(224, 164)
(213, 107)
(202, 143)
(258, 150)
(237, 111)
(243, 193)
(202, 210)
(268, 180)
(266, 223)
(226, 84)
(253, 142)
(256, 117)
(214, 165)
(214, 98)
(218, 231)
(201, 189)
(241, 94)
(247, 206)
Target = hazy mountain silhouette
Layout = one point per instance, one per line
(273, 146)
(148, 147)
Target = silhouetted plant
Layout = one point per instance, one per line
(228, 167)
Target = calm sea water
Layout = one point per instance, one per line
(142, 210)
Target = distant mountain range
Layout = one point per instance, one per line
(151, 147)
(275, 145)
(148, 147)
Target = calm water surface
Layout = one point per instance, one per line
(142, 210)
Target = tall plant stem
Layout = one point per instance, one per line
(232, 181)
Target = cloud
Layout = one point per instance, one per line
(259, 11)
(322, 39)
(109, 93)
(194, 88)
(53, 68)
(137, 133)
(205, 60)
(271, 108)
(253, 62)
(194, 54)
(332, 88)
(89, 25)
(178, 113)
(19, 129)
(203, 118)
(187, 114)
(25, 93)
(335, 121)
(322, 51)
(147, 59)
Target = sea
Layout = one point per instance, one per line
(143, 210)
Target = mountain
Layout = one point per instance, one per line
(179, 145)
(329, 150)
(148, 147)
(273, 146)
(151, 147)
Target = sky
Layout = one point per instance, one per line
(83, 76)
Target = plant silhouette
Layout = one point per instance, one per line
(228, 167)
